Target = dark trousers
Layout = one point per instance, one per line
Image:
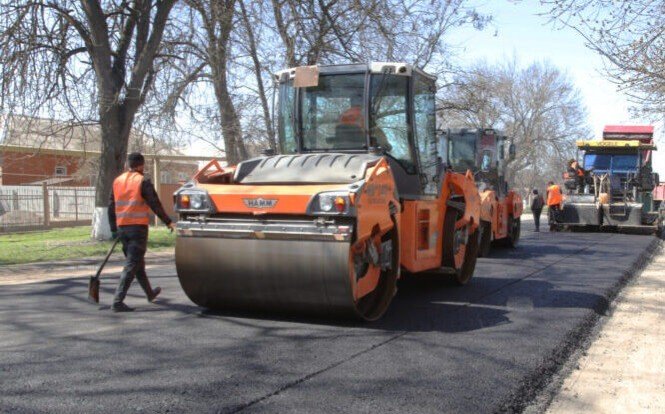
(134, 241)
(553, 212)
(536, 217)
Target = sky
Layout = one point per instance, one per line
(519, 31)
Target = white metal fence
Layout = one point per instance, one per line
(28, 207)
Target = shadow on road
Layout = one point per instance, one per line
(427, 304)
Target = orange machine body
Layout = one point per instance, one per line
(497, 211)
(419, 222)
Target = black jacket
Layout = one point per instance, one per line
(537, 203)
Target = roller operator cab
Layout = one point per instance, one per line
(486, 153)
(617, 189)
(356, 195)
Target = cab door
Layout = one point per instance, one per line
(422, 235)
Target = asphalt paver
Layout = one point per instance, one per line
(485, 347)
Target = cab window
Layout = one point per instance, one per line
(389, 128)
(424, 108)
(286, 118)
(333, 114)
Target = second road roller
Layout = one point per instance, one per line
(356, 195)
(483, 152)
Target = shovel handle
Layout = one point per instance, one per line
(106, 259)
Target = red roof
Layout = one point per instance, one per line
(628, 129)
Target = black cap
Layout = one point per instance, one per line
(535, 191)
(135, 159)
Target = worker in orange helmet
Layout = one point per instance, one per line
(132, 198)
(554, 201)
(354, 116)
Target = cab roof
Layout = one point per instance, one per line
(396, 68)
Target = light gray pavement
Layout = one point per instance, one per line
(486, 347)
(623, 371)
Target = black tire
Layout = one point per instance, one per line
(484, 238)
(514, 231)
(463, 274)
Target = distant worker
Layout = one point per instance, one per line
(537, 204)
(554, 200)
(576, 172)
(132, 198)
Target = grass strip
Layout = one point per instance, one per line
(66, 243)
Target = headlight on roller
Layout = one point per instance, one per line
(331, 203)
(326, 203)
(197, 201)
(192, 200)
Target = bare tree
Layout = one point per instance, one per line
(237, 45)
(630, 36)
(55, 53)
(416, 31)
(217, 18)
(537, 106)
(259, 70)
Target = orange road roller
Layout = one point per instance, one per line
(357, 194)
(483, 151)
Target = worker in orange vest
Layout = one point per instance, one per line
(132, 198)
(354, 117)
(554, 200)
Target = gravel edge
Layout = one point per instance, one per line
(537, 390)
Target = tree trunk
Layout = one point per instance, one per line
(272, 142)
(230, 123)
(115, 130)
(289, 42)
(218, 51)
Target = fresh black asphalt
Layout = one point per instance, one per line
(485, 347)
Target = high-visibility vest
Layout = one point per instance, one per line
(130, 207)
(554, 197)
(353, 116)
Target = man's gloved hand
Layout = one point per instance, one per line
(114, 235)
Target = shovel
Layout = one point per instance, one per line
(93, 285)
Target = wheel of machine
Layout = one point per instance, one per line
(372, 306)
(484, 238)
(660, 232)
(514, 231)
(460, 251)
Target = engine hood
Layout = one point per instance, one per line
(320, 168)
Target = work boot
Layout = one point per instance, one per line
(121, 307)
(155, 292)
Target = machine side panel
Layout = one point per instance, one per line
(421, 235)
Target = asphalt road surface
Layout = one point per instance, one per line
(485, 347)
